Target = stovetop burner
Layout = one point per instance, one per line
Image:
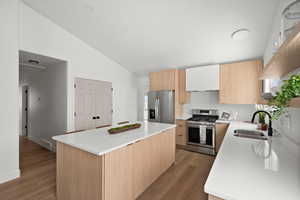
(204, 118)
(196, 119)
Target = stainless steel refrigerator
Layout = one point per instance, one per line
(161, 105)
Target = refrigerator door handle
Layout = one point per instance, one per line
(158, 110)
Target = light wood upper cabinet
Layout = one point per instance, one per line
(163, 80)
(184, 96)
(171, 80)
(239, 82)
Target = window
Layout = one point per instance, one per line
(146, 107)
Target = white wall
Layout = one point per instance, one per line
(9, 141)
(47, 98)
(40, 35)
(288, 126)
(143, 89)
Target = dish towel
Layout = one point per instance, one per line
(202, 135)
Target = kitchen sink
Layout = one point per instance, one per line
(250, 134)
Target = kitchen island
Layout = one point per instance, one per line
(248, 169)
(96, 165)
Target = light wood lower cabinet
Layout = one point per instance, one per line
(167, 149)
(118, 174)
(141, 162)
(221, 129)
(79, 174)
(124, 173)
(151, 157)
(181, 131)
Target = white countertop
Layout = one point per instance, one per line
(99, 141)
(240, 174)
(221, 121)
(184, 117)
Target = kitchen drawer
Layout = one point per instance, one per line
(181, 126)
(181, 132)
(181, 122)
(181, 139)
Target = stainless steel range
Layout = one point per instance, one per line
(201, 131)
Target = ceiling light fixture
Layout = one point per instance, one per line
(34, 62)
(240, 34)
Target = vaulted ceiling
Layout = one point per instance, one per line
(149, 35)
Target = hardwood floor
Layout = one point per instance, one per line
(38, 175)
(183, 181)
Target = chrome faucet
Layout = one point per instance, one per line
(270, 129)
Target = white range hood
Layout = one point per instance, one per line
(204, 78)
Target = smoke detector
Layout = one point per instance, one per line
(240, 34)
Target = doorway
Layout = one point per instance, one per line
(24, 110)
(43, 98)
(93, 103)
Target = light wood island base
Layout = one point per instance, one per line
(79, 174)
(124, 173)
(211, 197)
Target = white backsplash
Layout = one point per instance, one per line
(210, 100)
(289, 125)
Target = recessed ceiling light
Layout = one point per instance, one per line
(240, 34)
(35, 62)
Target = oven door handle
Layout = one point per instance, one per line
(193, 126)
(201, 125)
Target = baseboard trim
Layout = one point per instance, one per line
(10, 176)
(43, 144)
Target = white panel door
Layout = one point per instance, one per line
(103, 103)
(202, 78)
(84, 104)
(93, 103)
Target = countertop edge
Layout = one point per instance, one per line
(57, 139)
